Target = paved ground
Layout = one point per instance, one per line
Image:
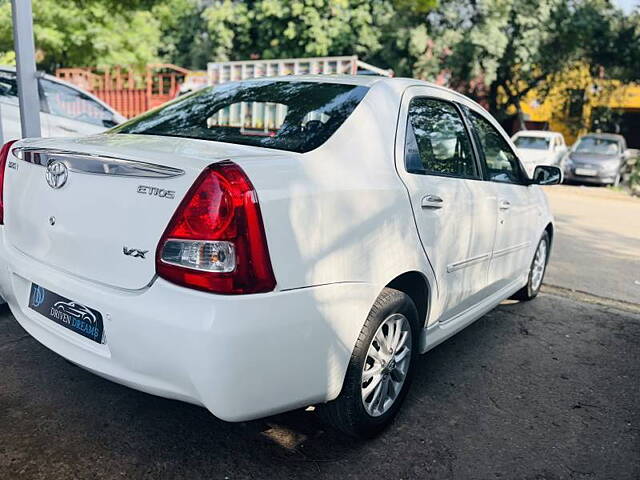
(545, 390)
(598, 242)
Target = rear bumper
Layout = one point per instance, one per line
(242, 357)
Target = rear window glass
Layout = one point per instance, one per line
(294, 116)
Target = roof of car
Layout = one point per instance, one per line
(398, 83)
(360, 80)
(537, 133)
(9, 68)
(53, 78)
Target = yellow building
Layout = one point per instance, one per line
(575, 103)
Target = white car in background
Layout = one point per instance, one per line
(272, 244)
(539, 147)
(65, 110)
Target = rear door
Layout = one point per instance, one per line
(517, 214)
(454, 211)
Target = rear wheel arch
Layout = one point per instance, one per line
(417, 287)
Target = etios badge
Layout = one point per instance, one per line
(57, 174)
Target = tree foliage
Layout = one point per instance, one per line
(495, 50)
(499, 50)
(306, 28)
(192, 32)
(88, 32)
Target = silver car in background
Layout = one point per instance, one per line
(597, 158)
(65, 110)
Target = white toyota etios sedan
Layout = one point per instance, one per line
(272, 244)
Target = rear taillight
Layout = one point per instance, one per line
(215, 240)
(4, 153)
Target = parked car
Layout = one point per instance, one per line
(65, 110)
(597, 158)
(539, 147)
(272, 244)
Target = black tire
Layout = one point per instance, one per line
(347, 412)
(528, 292)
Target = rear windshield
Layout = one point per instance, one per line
(534, 143)
(294, 116)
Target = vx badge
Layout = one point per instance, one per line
(134, 252)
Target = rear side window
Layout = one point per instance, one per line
(502, 163)
(437, 142)
(294, 116)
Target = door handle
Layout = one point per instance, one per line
(505, 205)
(432, 201)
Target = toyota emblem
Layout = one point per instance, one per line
(57, 174)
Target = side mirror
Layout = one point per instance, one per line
(546, 175)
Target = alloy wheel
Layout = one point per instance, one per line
(386, 365)
(539, 264)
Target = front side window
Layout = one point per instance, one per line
(294, 116)
(437, 141)
(67, 102)
(502, 163)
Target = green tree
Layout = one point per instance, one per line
(499, 50)
(376, 31)
(185, 39)
(192, 32)
(88, 32)
(614, 42)
(298, 28)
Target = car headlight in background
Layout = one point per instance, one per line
(610, 167)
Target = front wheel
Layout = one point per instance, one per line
(536, 271)
(380, 369)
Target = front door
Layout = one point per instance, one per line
(513, 247)
(454, 210)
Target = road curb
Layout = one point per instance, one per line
(591, 298)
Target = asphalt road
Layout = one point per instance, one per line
(597, 248)
(541, 390)
(544, 390)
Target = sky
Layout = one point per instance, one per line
(627, 5)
